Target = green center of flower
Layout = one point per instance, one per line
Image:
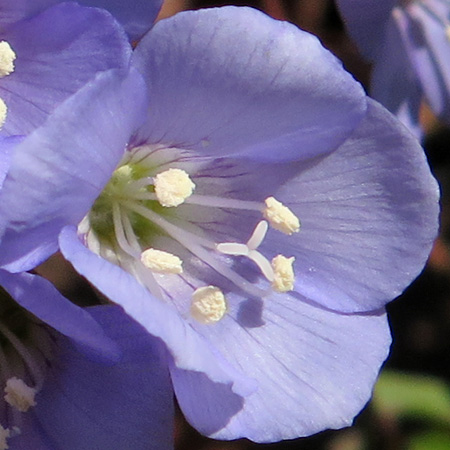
(147, 199)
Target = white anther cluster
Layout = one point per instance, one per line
(283, 280)
(3, 112)
(19, 394)
(281, 217)
(161, 262)
(208, 304)
(7, 58)
(173, 187)
(5, 433)
(447, 32)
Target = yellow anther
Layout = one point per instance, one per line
(283, 280)
(4, 435)
(19, 395)
(208, 304)
(3, 112)
(161, 262)
(7, 57)
(173, 187)
(281, 217)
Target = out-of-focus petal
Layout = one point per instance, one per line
(366, 21)
(369, 215)
(274, 93)
(315, 370)
(424, 36)
(12, 11)
(79, 147)
(39, 297)
(189, 350)
(137, 16)
(58, 52)
(6, 148)
(86, 405)
(402, 95)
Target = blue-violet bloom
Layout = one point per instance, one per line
(74, 378)
(58, 390)
(136, 16)
(409, 43)
(47, 57)
(240, 196)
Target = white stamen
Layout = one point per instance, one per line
(7, 57)
(3, 112)
(223, 202)
(281, 217)
(283, 273)
(208, 304)
(120, 232)
(161, 262)
(173, 187)
(19, 395)
(5, 433)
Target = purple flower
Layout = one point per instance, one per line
(67, 385)
(74, 378)
(256, 214)
(409, 43)
(137, 16)
(49, 56)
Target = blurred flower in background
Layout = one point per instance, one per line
(408, 42)
(77, 379)
(47, 56)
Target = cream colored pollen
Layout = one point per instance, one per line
(7, 57)
(161, 262)
(447, 32)
(5, 433)
(208, 304)
(19, 394)
(3, 112)
(173, 187)
(283, 273)
(281, 217)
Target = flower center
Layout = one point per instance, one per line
(7, 58)
(25, 347)
(149, 200)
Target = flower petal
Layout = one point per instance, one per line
(58, 52)
(137, 16)
(425, 38)
(11, 11)
(369, 215)
(366, 21)
(85, 405)
(79, 146)
(189, 350)
(39, 297)
(274, 93)
(315, 370)
(6, 148)
(400, 95)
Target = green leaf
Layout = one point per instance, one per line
(432, 440)
(404, 395)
